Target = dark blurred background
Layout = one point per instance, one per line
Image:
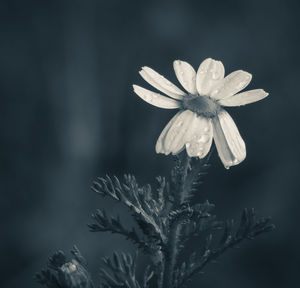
(68, 115)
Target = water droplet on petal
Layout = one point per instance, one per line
(241, 85)
(206, 129)
(227, 167)
(214, 75)
(204, 138)
(187, 145)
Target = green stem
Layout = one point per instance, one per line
(174, 234)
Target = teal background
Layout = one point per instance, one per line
(68, 115)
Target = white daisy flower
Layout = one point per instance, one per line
(201, 117)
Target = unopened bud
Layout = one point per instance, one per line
(74, 275)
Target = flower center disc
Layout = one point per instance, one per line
(201, 105)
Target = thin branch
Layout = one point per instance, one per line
(248, 229)
(135, 197)
(114, 225)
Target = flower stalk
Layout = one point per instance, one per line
(171, 254)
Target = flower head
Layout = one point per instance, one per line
(201, 117)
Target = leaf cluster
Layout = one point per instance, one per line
(232, 234)
(166, 219)
(121, 272)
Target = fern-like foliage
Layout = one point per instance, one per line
(166, 219)
(147, 206)
(121, 272)
(232, 234)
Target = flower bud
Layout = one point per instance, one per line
(74, 275)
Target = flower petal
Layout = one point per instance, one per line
(209, 74)
(244, 98)
(178, 144)
(231, 84)
(173, 142)
(160, 141)
(199, 137)
(186, 75)
(230, 145)
(161, 83)
(156, 99)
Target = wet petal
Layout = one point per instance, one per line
(230, 145)
(209, 74)
(174, 138)
(244, 98)
(178, 144)
(199, 137)
(156, 99)
(186, 75)
(160, 141)
(231, 84)
(161, 83)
